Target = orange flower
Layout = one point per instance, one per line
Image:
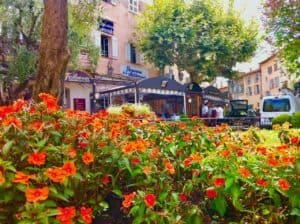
(169, 138)
(22, 178)
(57, 175)
(14, 121)
(147, 170)
(37, 194)
(69, 168)
(71, 152)
(169, 166)
(155, 153)
(196, 157)
(128, 199)
(2, 180)
(37, 126)
(283, 184)
(225, 153)
(128, 148)
(244, 172)
(272, 161)
(288, 160)
(86, 214)
(37, 158)
(49, 101)
(182, 125)
(219, 181)
(150, 200)
(87, 158)
(188, 161)
(187, 137)
(66, 214)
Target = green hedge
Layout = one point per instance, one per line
(281, 119)
(296, 120)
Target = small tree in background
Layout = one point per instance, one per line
(200, 37)
(282, 20)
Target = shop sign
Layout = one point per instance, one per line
(77, 76)
(107, 27)
(134, 72)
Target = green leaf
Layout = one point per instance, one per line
(236, 192)
(21, 187)
(104, 205)
(219, 205)
(50, 204)
(295, 211)
(229, 182)
(163, 196)
(117, 192)
(42, 143)
(52, 212)
(6, 148)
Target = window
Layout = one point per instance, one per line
(133, 6)
(256, 90)
(269, 69)
(275, 66)
(257, 77)
(131, 54)
(113, 2)
(104, 46)
(271, 84)
(249, 91)
(276, 105)
(249, 80)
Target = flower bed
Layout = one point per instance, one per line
(60, 167)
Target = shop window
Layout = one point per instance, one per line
(256, 90)
(275, 66)
(133, 6)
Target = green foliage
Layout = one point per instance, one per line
(281, 119)
(296, 120)
(199, 37)
(282, 20)
(23, 64)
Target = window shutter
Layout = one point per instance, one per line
(127, 53)
(115, 47)
(97, 36)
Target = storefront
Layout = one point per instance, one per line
(165, 96)
(194, 99)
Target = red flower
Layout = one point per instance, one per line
(37, 158)
(150, 200)
(82, 145)
(219, 182)
(261, 182)
(283, 184)
(225, 153)
(105, 180)
(128, 199)
(295, 140)
(88, 158)
(182, 197)
(135, 160)
(37, 194)
(272, 162)
(66, 214)
(86, 214)
(69, 168)
(211, 193)
(187, 162)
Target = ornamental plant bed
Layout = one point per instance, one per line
(72, 167)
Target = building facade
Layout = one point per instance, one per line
(273, 76)
(120, 62)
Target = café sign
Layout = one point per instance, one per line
(77, 76)
(133, 72)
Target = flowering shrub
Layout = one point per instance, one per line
(58, 167)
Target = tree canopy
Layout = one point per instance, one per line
(282, 19)
(200, 37)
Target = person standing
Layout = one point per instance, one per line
(204, 112)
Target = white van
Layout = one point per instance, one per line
(272, 106)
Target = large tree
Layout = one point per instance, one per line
(53, 53)
(21, 32)
(200, 37)
(282, 19)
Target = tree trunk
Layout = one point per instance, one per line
(53, 53)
